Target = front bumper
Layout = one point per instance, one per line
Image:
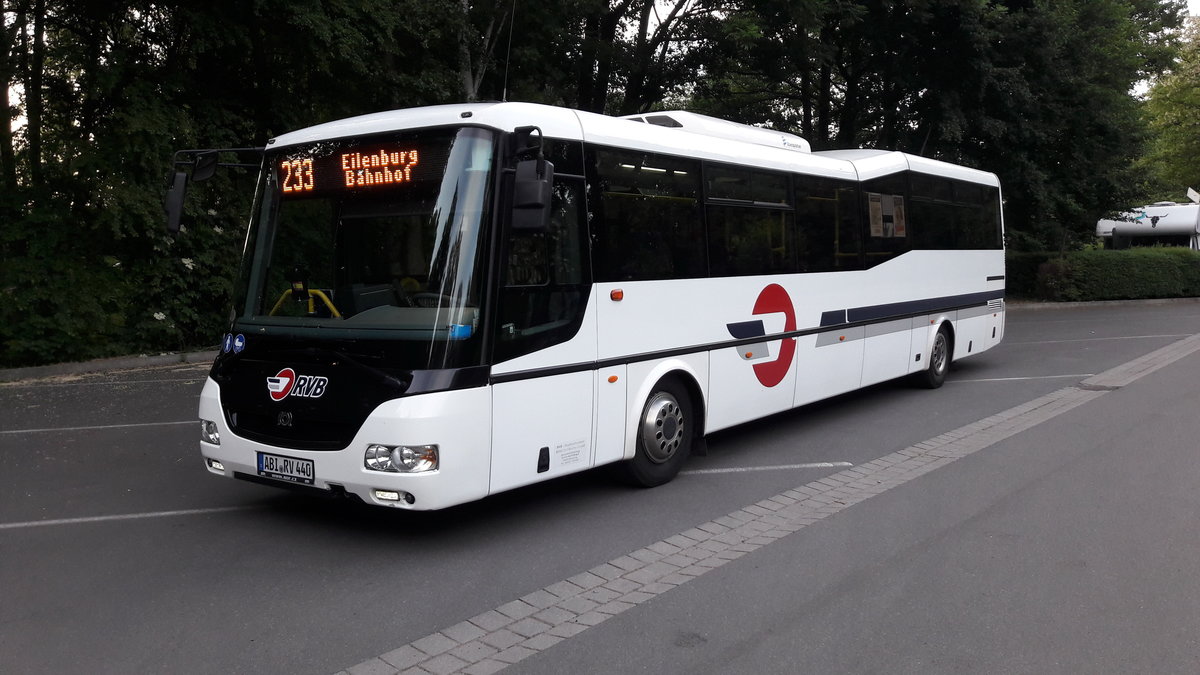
(458, 421)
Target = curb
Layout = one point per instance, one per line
(104, 365)
(1037, 306)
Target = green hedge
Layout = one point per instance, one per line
(1105, 275)
(1021, 274)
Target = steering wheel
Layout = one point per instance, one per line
(429, 299)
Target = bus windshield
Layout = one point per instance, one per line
(373, 238)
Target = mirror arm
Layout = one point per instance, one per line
(204, 163)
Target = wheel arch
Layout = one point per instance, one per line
(937, 323)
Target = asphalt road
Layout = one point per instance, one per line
(1066, 544)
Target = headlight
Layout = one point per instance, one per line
(415, 458)
(378, 458)
(209, 433)
(401, 458)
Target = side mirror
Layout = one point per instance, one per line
(532, 195)
(173, 204)
(205, 167)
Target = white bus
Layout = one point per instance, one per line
(443, 303)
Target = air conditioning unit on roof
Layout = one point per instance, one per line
(719, 128)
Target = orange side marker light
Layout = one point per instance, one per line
(616, 295)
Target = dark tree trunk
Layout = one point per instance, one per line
(33, 94)
(8, 158)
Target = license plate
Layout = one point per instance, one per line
(291, 469)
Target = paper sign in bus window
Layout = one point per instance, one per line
(887, 215)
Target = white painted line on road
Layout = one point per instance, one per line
(1019, 379)
(197, 378)
(781, 467)
(533, 623)
(103, 426)
(1095, 339)
(123, 516)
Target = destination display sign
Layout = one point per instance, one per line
(326, 168)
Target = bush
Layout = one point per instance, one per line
(1130, 274)
(1021, 273)
(79, 292)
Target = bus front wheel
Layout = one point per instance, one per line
(665, 431)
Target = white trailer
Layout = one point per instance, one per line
(1161, 220)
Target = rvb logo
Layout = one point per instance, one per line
(287, 383)
(771, 300)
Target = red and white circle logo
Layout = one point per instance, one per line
(771, 300)
(774, 299)
(288, 383)
(281, 385)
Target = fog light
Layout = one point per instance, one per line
(209, 433)
(401, 459)
(215, 465)
(394, 496)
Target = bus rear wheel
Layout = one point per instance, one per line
(665, 431)
(939, 360)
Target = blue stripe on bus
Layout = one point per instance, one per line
(927, 306)
(833, 318)
(746, 329)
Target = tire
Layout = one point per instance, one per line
(939, 360)
(665, 432)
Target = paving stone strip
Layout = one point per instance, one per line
(535, 622)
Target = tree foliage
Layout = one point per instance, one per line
(99, 95)
(1035, 91)
(1173, 114)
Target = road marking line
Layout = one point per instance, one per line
(104, 426)
(123, 516)
(15, 385)
(1120, 337)
(516, 630)
(781, 467)
(1016, 379)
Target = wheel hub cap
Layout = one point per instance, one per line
(662, 428)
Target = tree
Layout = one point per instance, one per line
(1173, 113)
(1033, 90)
(111, 90)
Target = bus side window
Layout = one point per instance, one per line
(954, 214)
(827, 218)
(933, 208)
(750, 241)
(646, 216)
(544, 289)
(885, 204)
(749, 218)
